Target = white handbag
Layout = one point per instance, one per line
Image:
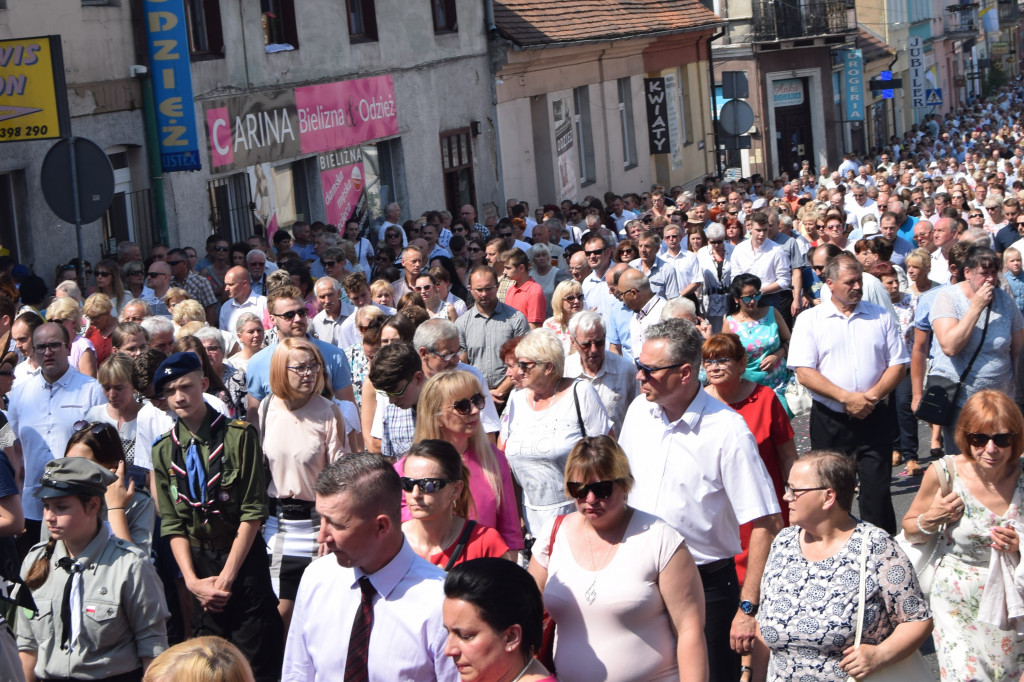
(913, 668)
(797, 397)
(925, 557)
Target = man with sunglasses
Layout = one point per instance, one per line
(850, 355)
(611, 375)
(197, 286)
(42, 414)
(288, 312)
(696, 465)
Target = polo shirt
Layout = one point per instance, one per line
(662, 276)
(232, 309)
(528, 299)
(615, 383)
(481, 338)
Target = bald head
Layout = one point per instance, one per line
(634, 289)
(614, 272)
(631, 278)
(237, 284)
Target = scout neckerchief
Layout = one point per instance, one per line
(195, 484)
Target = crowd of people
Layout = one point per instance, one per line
(555, 443)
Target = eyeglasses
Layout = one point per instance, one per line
(596, 343)
(155, 274)
(634, 290)
(135, 273)
(96, 430)
(54, 346)
(797, 492)
(104, 273)
(602, 489)
(425, 287)
(7, 373)
(647, 370)
(301, 312)
(834, 226)
(446, 357)
(671, 236)
(974, 215)
(818, 268)
(716, 362)
(525, 366)
(980, 440)
(716, 242)
(474, 249)
(220, 248)
(172, 263)
(398, 394)
(329, 263)
(753, 298)
(572, 298)
(305, 370)
(595, 252)
(466, 405)
(427, 485)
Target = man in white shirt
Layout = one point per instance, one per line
(369, 567)
(943, 239)
(696, 465)
(611, 375)
(241, 299)
(850, 356)
(598, 250)
(333, 312)
(765, 259)
(635, 291)
(392, 214)
(42, 413)
(358, 292)
(621, 216)
(687, 269)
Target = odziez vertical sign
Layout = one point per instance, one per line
(171, 74)
(657, 125)
(33, 97)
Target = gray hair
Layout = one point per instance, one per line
(541, 345)
(157, 325)
(555, 224)
(538, 249)
(244, 319)
(683, 341)
(124, 247)
(255, 252)
(585, 322)
(979, 237)
(714, 231)
(431, 333)
(370, 480)
(680, 308)
(327, 279)
(208, 333)
(138, 301)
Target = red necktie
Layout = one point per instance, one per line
(359, 641)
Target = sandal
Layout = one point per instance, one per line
(913, 468)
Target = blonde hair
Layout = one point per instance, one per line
(438, 393)
(279, 385)
(174, 296)
(566, 288)
(98, 304)
(64, 308)
(188, 329)
(203, 659)
(379, 286)
(189, 310)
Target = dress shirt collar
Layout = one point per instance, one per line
(387, 578)
(691, 415)
(648, 307)
(830, 309)
(64, 381)
(88, 555)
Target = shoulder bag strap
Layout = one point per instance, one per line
(862, 597)
(946, 475)
(579, 415)
(554, 532)
(263, 409)
(970, 364)
(461, 546)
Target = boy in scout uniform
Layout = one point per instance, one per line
(212, 496)
(99, 607)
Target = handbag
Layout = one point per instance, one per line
(913, 668)
(546, 653)
(938, 404)
(798, 397)
(925, 556)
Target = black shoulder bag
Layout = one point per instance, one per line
(938, 404)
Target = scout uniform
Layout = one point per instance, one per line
(208, 483)
(100, 613)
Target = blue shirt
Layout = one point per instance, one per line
(617, 323)
(1016, 283)
(257, 379)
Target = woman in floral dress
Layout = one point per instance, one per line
(764, 335)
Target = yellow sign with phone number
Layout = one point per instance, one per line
(32, 92)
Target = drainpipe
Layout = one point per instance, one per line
(156, 177)
(714, 110)
(892, 102)
(492, 50)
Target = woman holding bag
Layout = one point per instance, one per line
(986, 496)
(810, 591)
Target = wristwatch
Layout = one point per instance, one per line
(748, 607)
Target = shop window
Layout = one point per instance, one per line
(230, 214)
(280, 32)
(205, 36)
(443, 13)
(362, 20)
(584, 134)
(629, 158)
(457, 166)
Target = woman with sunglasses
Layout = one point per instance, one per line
(625, 251)
(302, 433)
(99, 311)
(978, 517)
(566, 301)
(108, 281)
(763, 333)
(541, 423)
(449, 408)
(436, 485)
(426, 286)
(619, 583)
(713, 261)
(133, 274)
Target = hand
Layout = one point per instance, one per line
(983, 296)
(497, 397)
(858, 405)
(1004, 539)
(210, 597)
(947, 510)
(795, 309)
(768, 362)
(860, 662)
(915, 402)
(741, 635)
(704, 328)
(223, 584)
(117, 496)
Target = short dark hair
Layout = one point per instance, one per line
(504, 594)
(354, 282)
(835, 471)
(392, 364)
(371, 481)
(144, 368)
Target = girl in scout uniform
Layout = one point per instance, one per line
(99, 608)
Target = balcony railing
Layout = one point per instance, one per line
(776, 20)
(961, 20)
(1008, 10)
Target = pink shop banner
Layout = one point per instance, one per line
(346, 113)
(342, 187)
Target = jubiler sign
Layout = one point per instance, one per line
(252, 129)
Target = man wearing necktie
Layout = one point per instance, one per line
(370, 607)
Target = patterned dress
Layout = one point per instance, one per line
(808, 612)
(760, 338)
(969, 650)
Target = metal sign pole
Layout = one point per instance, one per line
(80, 269)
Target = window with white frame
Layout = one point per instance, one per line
(584, 134)
(629, 156)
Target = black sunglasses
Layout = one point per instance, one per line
(301, 312)
(980, 440)
(174, 263)
(427, 485)
(602, 489)
(466, 405)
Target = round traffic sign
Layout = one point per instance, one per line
(736, 117)
(95, 180)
